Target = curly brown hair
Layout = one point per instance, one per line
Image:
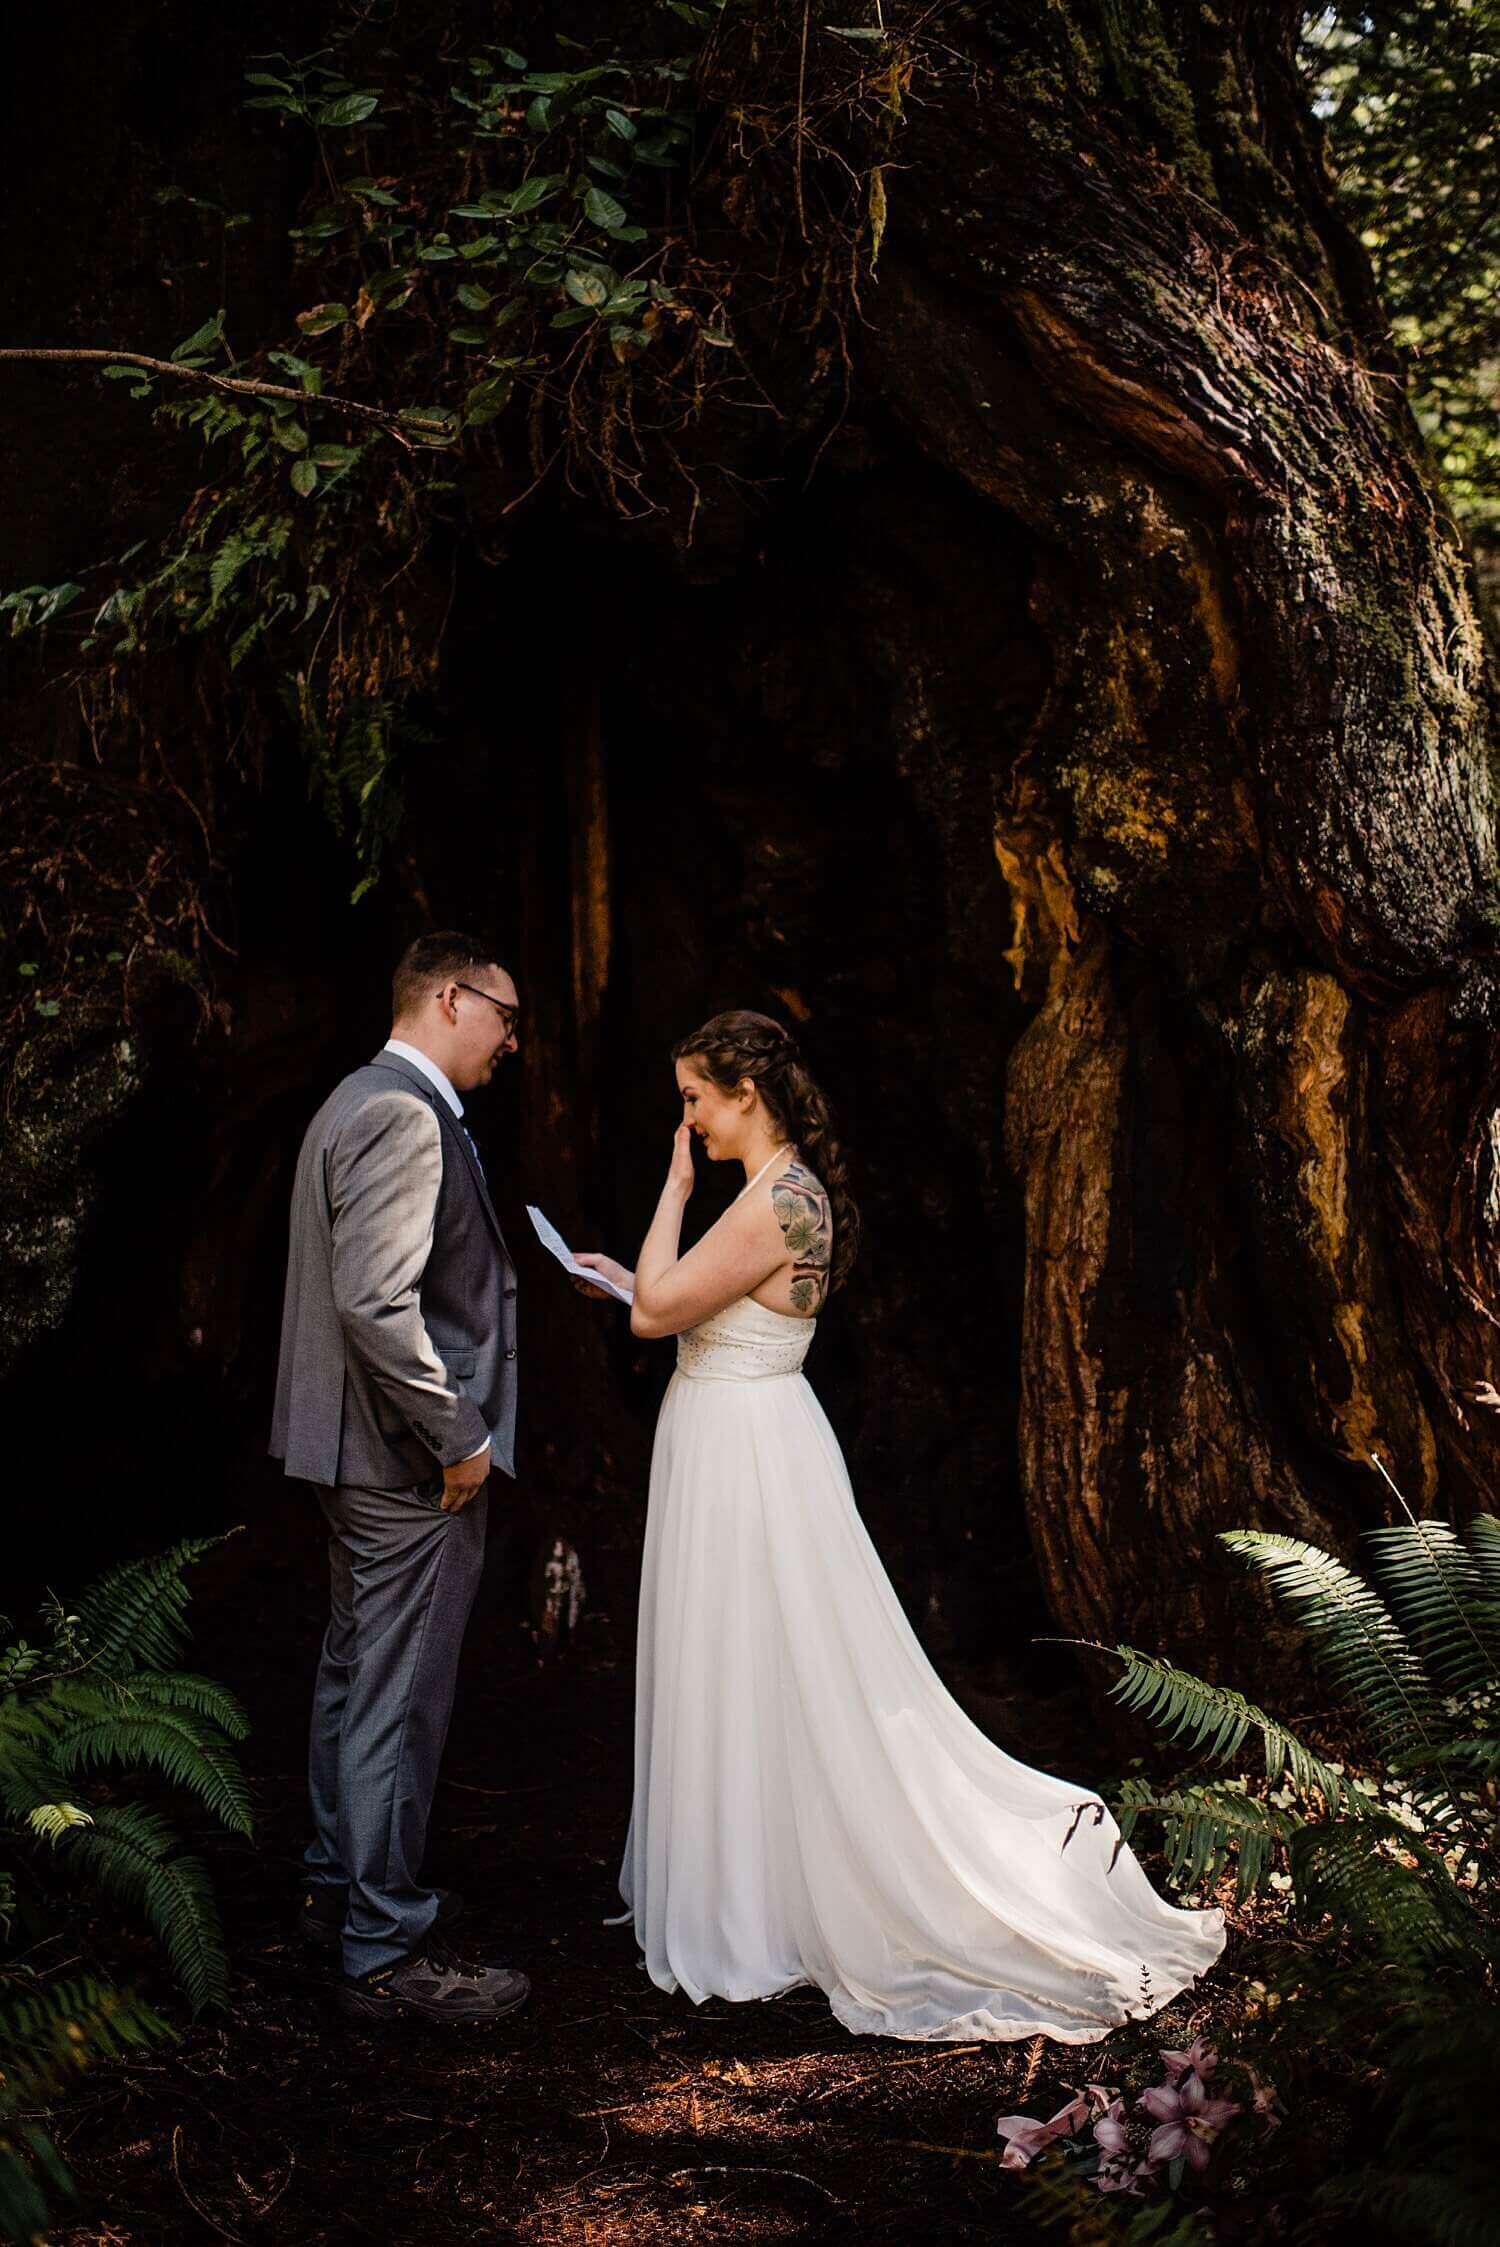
(740, 1044)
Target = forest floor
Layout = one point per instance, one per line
(604, 2112)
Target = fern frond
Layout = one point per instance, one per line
(1437, 1595)
(134, 1616)
(1478, 1756)
(197, 1696)
(1483, 1533)
(1359, 1645)
(1416, 2207)
(51, 2031)
(34, 2182)
(1217, 1720)
(96, 1725)
(1413, 1914)
(1206, 1828)
(129, 1852)
(27, 1773)
(51, 1820)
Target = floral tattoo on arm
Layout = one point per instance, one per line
(806, 1221)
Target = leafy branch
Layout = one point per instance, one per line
(400, 422)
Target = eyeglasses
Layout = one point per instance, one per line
(509, 1015)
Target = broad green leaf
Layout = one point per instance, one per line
(352, 109)
(485, 401)
(474, 297)
(588, 289)
(319, 318)
(539, 115)
(471, 336)
(533, 191)
(618, 122)
(202, 339)
(304, 478)
(603, 209)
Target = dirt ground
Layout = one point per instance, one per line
(604, 2112)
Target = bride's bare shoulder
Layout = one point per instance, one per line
(803, 1212)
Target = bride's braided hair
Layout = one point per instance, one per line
(738, 1045)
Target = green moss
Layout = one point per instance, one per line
(1145, 67)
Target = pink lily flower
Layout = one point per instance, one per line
(1199, 2056)
(1110, 2135)
(1189, 2120)
(1026, 2138)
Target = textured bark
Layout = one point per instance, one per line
(1249, 847)
(1179, 901)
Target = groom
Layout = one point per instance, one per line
(395, 1397)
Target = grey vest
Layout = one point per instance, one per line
(398, 1335)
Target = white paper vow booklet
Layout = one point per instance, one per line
(552, 1240)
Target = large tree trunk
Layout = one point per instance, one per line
(1119, 351)
(1249, 845)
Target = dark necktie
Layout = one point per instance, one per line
(474, 1143)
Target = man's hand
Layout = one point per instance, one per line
(464, 1480)
(1483, 1393)
(611, 1271)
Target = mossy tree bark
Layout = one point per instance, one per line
(1250, 844)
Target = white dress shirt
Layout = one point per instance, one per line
(429, 1069)
(434, 1076)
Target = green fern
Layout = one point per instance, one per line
(90, 1727)
(49, 2034)
(51, 2031)
(1484, 1543)
(1207, 1828)
(197, 1696)
(135, 1616)
(1359, 1645)
(1437, 1594)
(95, 1705)
(1216, 1720)
(133, 1855)
(1410, 1913)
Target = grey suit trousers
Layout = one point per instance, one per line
(402, 1576)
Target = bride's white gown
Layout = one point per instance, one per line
(811, 1806)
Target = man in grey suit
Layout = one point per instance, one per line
(395, 1398)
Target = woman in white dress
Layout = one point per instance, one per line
(811, 1805)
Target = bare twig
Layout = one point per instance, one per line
(198, 2209)
(392, 419)
(755, 2169)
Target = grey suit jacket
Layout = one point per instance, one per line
(398, 1335)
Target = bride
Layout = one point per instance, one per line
(811, 1806)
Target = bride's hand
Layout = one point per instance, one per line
(610, 1269)
(680, 1173)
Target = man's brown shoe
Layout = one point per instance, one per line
(434, 1985)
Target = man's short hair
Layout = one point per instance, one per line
(426, 965)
